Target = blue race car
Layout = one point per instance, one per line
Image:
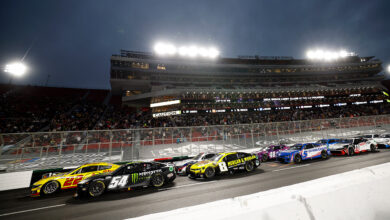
(299, 152)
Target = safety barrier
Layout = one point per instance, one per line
(18, 150)
(358, 194)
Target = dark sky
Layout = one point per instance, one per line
(72, 40)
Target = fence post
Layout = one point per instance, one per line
(253, 141)
(110, 147)
(60, 151)
(86, 144)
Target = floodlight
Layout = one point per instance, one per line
(165, 49)
(16, 69)
(388, 68)
(327, 55)
(185, 51)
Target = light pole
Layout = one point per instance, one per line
(16, 69)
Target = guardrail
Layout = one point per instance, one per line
(38, 150)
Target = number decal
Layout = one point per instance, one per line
(223, 167)
(123, 181)
(272, 154)
(114, 182)
(118, 181)
(77, 180)
(68, 181)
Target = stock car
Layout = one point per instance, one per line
(224, 163)
(382, 140)
(183, 167)
(68, 180)
(270, 152)
(130, 175)
(354, 146)
(299, 152)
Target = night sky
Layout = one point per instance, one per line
(72, 40)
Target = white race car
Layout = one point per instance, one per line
(182, 167)
(353, 146)
(382, 140)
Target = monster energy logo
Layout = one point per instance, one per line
(134, 177)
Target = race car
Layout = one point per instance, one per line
(383, 140)
(52, 184)
(128, 176)
(353, 146)
(299, 152)
(183, 167)
(270, 152)
(224, 163)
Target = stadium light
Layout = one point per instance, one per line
(326, 55)
(168, 49)
(17, 69)
(388, 68)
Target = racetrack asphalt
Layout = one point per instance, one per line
(16, 204)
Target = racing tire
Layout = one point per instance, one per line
(373, 148)
(96, 188)
(264, 157)
(209, 172)
(50, 188)
(324, 155)
(249, 166)
(351, 151)
(157, 180)
(297, 158)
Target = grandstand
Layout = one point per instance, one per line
(252, 86)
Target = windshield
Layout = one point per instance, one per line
(216, 157)
(346, 141)
(323, 141)
(385, 135)
(296, 147)
(197, 157)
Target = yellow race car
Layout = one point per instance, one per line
(50, 185)
(224, 163)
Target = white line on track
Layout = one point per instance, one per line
(291, 167)
(176, 187)
(30, 210)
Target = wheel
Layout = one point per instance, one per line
(351, 151)
(264, 157)
(249, 166)
(209, 172)
(373, 148)
(324, 155)
(157, 180)
(297, 158)
(50, 187)
(96, 188)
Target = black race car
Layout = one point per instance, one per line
(134, 174)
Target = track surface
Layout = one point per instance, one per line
(183, 192)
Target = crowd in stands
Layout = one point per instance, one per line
(56, 109)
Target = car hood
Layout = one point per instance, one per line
(287, 152)
(337, 146)
(202, 164)
(183, 162)
(45, 180)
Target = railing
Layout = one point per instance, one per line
(56, 149)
